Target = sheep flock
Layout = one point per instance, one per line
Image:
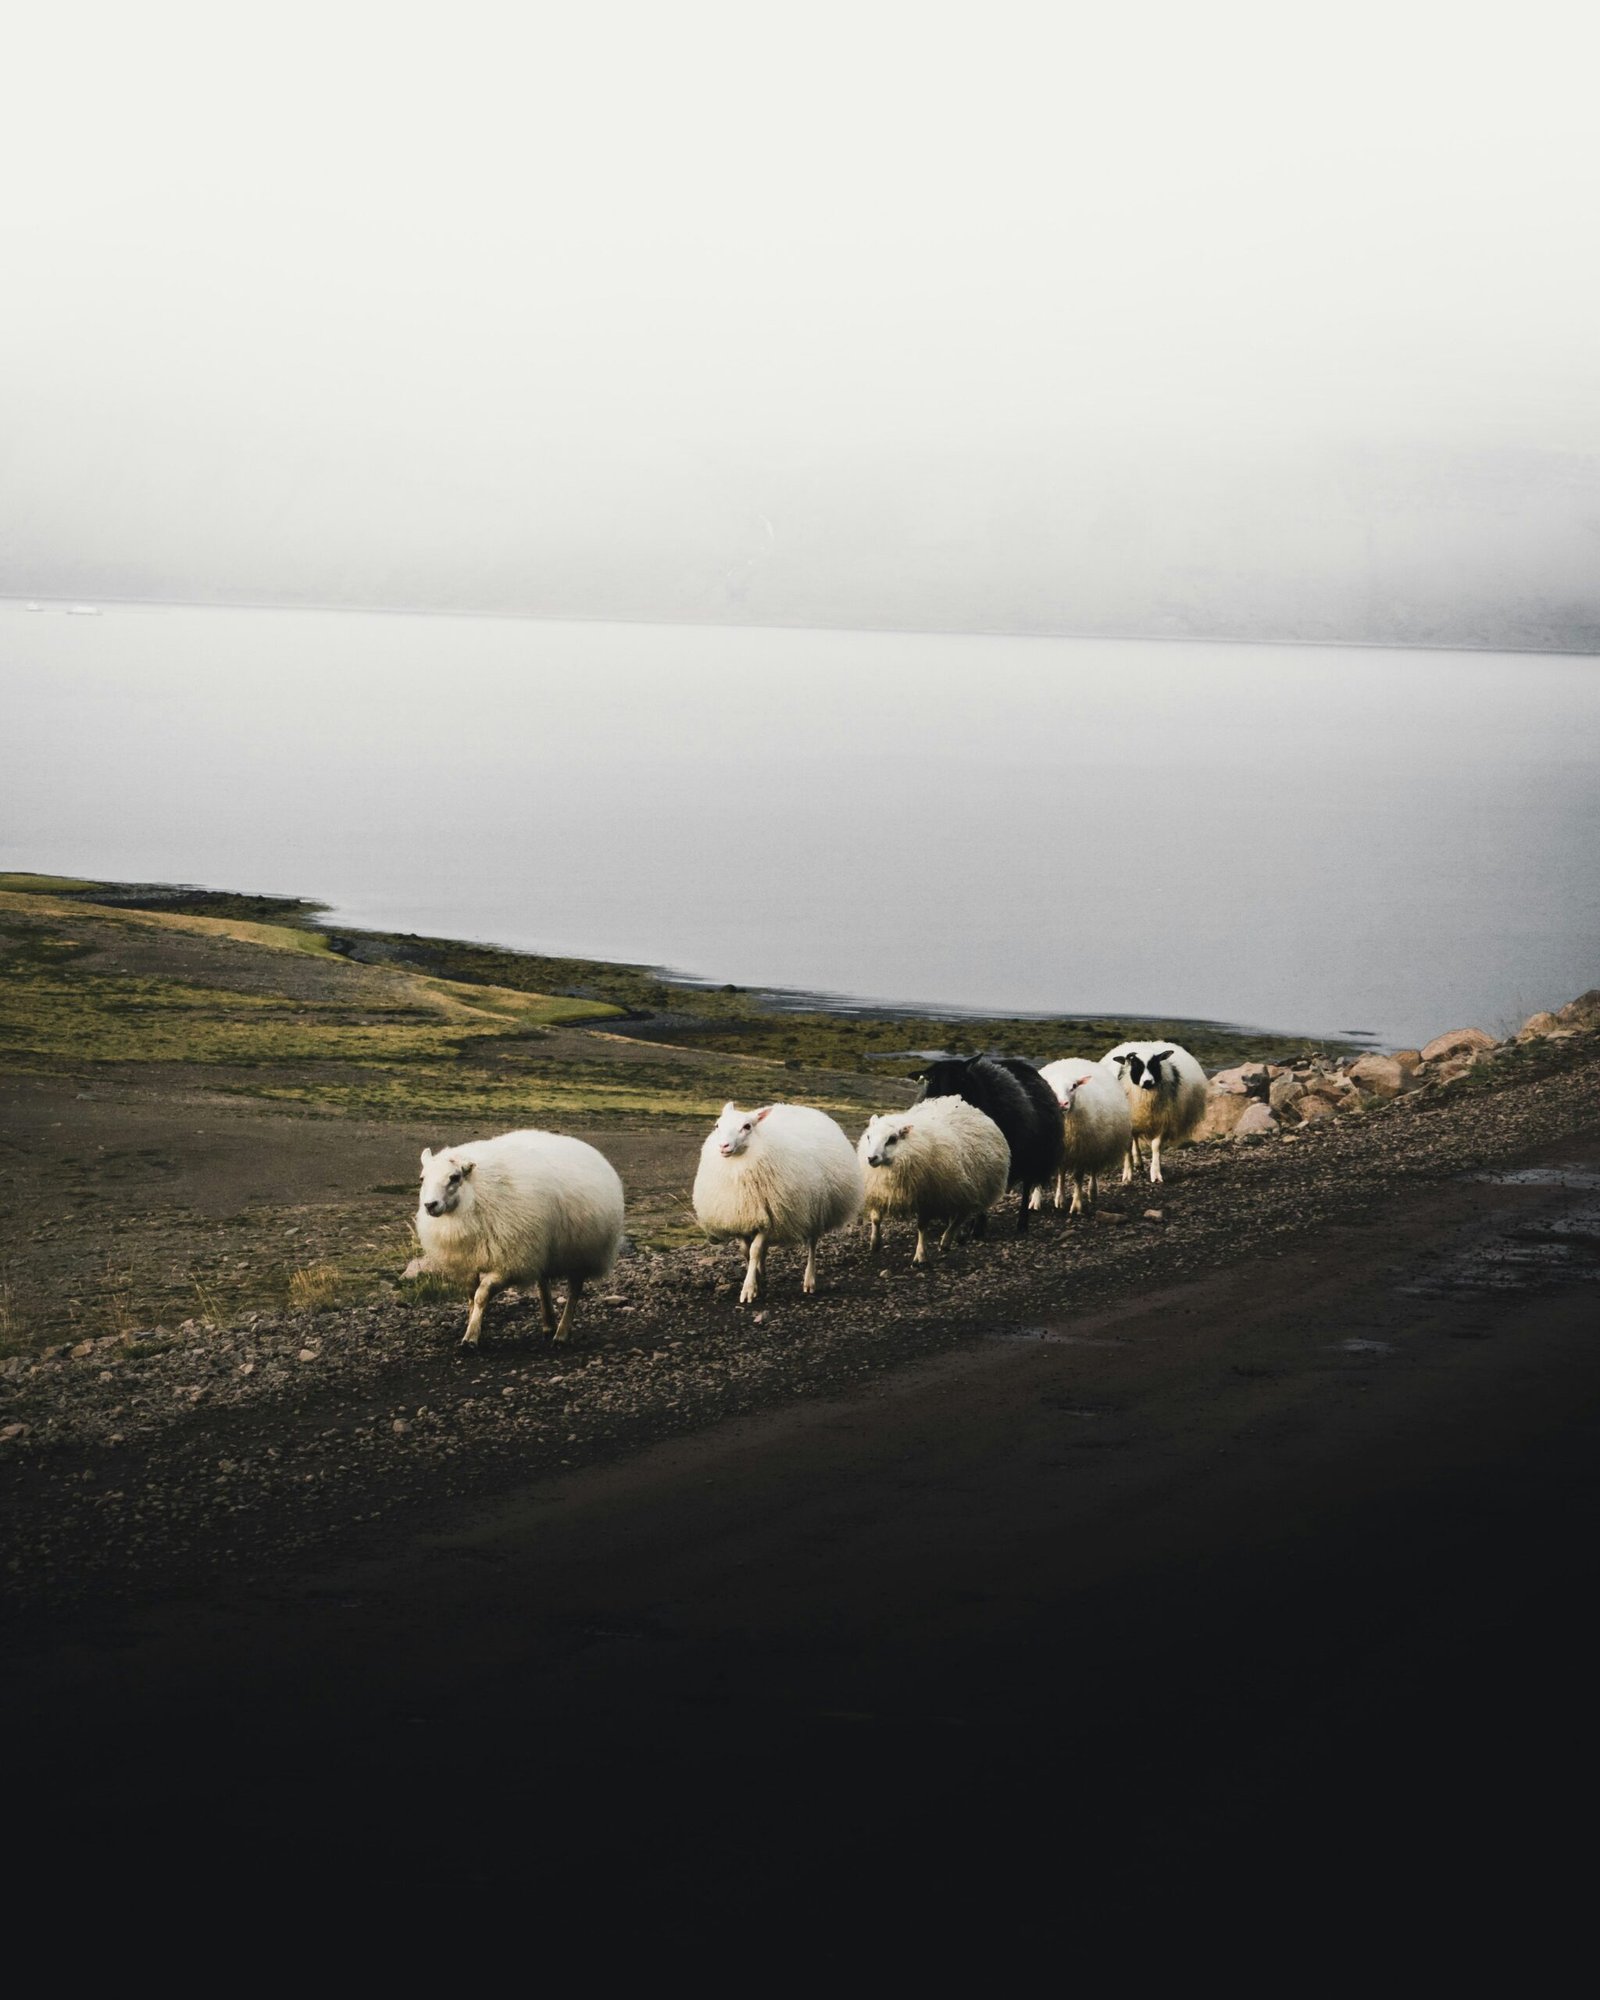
(529, 1208)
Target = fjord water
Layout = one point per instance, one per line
(1315, 839)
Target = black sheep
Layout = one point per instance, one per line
(1020, 1102)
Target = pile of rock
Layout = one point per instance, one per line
(1252, 1099)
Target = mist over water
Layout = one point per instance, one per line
(1307, 839)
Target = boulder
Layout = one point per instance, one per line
(1410, 1060)
(1540, 1026)
(1313, 1109)
(1583, 1013)
(1256, 1122)
(1378, 1076)
(1459, 1041)
(1246, 1079)
(1285, 1094)
(1224, 1109)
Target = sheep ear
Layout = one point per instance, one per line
(1161, 1055)
(465, 1168)
(905, 1131)
(427, 1154)
(727, 1107)
(762, 1112)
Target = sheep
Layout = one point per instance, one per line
(1166, 1090)
(1020, 1102)
(941, 1161)
(1096, 1123)
(524, 1205)
(783, 1174)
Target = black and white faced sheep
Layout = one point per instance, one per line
(783, 1174)
(526, 1206)
(1166, 1091)
(1020, 1102)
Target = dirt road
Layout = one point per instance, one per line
(1263, 1594)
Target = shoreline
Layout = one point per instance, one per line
(1113, 638)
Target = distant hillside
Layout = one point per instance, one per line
(1402, 545)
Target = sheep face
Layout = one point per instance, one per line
(1065, 1093)
(884, 1140)
(1144, 1072)
(735, 1129)
(444, 1181)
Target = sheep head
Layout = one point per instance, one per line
(735, 1129)
(885, 1135)
(444, 1180)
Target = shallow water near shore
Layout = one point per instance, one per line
(1320, 840)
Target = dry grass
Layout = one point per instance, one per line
(314, 1287)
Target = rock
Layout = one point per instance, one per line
(9, 1431)
(1313, 1110)
(1408, 1059)
(83, 1349)
(1153, 1214)
(1459, 1041)
(1454, 1066)
(1256, 1123)
(1542, 1026)
(1246, 1079)
(1285, 1093)
(1583, 1013)
(1224, 1109)
(1378, 1076)
(307, 1354)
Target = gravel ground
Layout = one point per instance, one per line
(132, 1468)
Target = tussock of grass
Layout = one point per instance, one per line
(315, 1286)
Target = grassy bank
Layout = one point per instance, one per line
(214, 1101)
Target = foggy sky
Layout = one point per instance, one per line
(1226, 317)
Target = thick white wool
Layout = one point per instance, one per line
(1173, 1110)
(534, 1205)
(797, 1178)
(1096, 1122)
(953, 1164)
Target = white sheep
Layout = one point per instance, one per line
(1166, 1090)
(783, 1174)
(1096, 1122)
(520, 1207)
(942, 1161)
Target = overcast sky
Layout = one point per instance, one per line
(724, 309)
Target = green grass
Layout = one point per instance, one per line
(44, 885)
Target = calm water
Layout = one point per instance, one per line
(1299, 838)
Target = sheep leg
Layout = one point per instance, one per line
(1022, 1210)
(1036, 1199)
(574, 1293)
(1155, 1158)
(874, 1231)
(547, 1311)
(920, 1254)
(755, 1274)
(808, 1284)
(1061, 1189)
(489, 1282)
(949, 1235)
(1130, 1165)
(1077, 1196)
